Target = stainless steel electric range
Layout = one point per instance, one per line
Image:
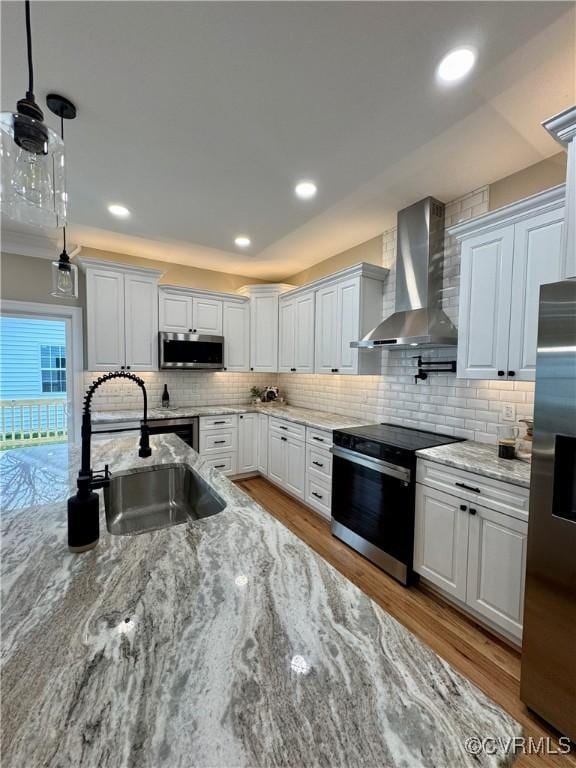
(373, 492)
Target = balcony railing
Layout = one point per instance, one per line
(30, 422)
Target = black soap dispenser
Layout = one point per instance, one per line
(165, 397)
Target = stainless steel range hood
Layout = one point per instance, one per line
(419, 319)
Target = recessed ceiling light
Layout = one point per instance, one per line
(456, 64)
(305, 189)
(242, 241)
(120, 211)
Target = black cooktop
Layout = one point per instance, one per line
(405, 438)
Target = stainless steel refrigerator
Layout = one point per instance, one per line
(548, 678)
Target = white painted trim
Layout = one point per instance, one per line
(75, 349)
(264, 289)
(562, 126)
(541, 202)
(37, 246)
(115, 266)
(201, 292)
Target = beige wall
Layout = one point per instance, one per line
(27, 278)
(178, 274)
(370, 251)
(528, 181)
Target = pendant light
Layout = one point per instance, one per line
(64, 273)
(32, 158)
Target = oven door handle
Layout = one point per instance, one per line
(393, 470)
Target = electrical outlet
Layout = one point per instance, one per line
(509, 412)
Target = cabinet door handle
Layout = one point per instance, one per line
(284, 438)
(501, 373)
(472, 511)
(219, 442)
(511, 373)
(467, 487)
(463, 507)
(189, 330)
(318, 463)
(127, 367)
(318, 495)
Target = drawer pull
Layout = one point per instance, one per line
(318, 463)
(219, 422)
(281, 427)
(219, 442)
(219, 466)
(318, 495)
(284, 438)
(320, 439)
(468, 487)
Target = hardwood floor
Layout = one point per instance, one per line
(489, 662)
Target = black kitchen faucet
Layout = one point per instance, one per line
(83, 507)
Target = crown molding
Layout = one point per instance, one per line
(37, 246)
(116, 266)
(187, 291)
(562, 126)
(363, 269)
(548, 200)
(264, 289)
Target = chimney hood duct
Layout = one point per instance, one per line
(419, 319)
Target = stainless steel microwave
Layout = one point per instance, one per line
(190, 350)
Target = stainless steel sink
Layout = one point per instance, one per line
(147, 499)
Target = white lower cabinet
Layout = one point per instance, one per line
(218, 443)
(474, 554)
(263, 444)
(286, 459)
(247, 442)
(441, 540)
(496, 568)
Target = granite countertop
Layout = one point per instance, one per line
(220, 642)
(480, 458)
(305, 416)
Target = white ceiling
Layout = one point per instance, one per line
(200, 116)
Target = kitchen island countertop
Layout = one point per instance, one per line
(220, 642)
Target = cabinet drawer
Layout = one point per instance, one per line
(218, 422)
(319, 437)
(319, 461)
(319, 495)
(225, 463)
(287, 428)
(218, 441)
(494, 494)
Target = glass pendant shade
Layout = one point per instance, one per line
(64, 280)
(33, 187)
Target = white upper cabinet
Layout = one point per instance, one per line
(206, 316)
(348, 305)
(506, 256)
(296, 333)
(121, 316)
(186, 311)
(236, 332)
(105, 319)
(326, 325)
(141, 322)
(537, 261)
(484, 317)
(263, 325)
(175, 312)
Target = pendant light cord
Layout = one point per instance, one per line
(29, 45)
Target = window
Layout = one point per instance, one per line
(53, 368)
